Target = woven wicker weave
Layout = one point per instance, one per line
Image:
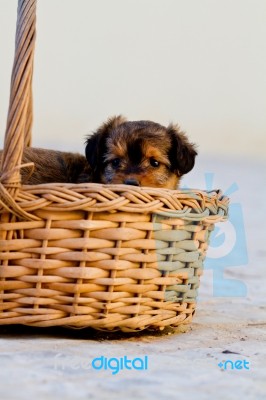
(89, 255)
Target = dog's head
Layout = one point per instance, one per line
(141, 153)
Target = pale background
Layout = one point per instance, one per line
(199, 63)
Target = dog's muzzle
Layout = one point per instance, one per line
(132, 182)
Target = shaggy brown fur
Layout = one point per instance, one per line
(54, 166)
(141, 153)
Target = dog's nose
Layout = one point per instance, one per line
(132, 182)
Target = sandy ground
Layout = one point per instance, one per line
(230, 325)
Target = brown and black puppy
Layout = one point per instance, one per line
(53, 166)
(141, 153)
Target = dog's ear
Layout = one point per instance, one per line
(96, 144)
(182, 153)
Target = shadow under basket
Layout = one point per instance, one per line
(109, 257)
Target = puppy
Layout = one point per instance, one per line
(53, 166)
(141, 153)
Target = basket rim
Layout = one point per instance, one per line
(189, 204)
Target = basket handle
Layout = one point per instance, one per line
(19, 119)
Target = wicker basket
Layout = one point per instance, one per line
(108, 257)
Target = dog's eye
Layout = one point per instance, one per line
(154, 163)
(115, 162)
